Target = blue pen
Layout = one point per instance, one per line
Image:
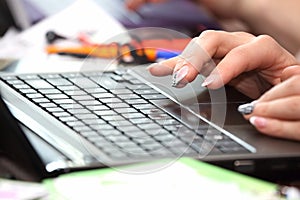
(161, 54)
(154, 54)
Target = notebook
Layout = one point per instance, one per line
(53, 123)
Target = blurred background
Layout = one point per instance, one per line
(181, 15)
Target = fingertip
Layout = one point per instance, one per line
(158, 69)
(258, 122)
(213, 81)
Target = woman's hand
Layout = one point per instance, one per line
(277, 112)
(251, 64)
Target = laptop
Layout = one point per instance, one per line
(53, 123)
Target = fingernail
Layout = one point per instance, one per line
(179, 75)
(258, 122)
(208, 81)
(247, 108)
(179, 64)
(154, 65)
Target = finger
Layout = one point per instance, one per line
(218, 43)
(290, 71)
(284, 108)
(261, 52)
(277, 128)
(290, 87)
(163, 68)
(212, 45)
(201, 52)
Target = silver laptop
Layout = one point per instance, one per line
(63, 122)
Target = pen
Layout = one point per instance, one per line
(111, 51)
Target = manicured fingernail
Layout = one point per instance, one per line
(179, 75)
(247, 108)
(258, 122)
(179, 64)
(208, 81)
(154, 65)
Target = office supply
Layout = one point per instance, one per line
(184, 179)
(29, 45)
(114, 51)
(97, 119)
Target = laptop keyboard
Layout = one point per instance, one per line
(116, 112)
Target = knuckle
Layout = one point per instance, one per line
(240, 53)
(266, 40)
(207, 33)
(243, 34)
(211, 35)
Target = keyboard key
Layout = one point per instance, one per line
(68, 119)
(78, 111)
(110, 100)
(94, 121)
(125, 110)
(133, 115)
(28, 91)
(41, 100)
(75, 92)
(59, 81)
(86, 116)
(49, 76)
(121, 91)
(50, 91)
(144, 92)
(54, 109)
(68, 88)
(57, 96)
(153, 96)
(103, 95)
(39, 84)
(117, 105)
(83, 82)
(70, 106)
(136, 101)
(128, 96)
(95, 90)
(105, 112)
(48, 105)
(82, 97)
(97, 107)
(28, 76)
(108, 83)
(34, 96)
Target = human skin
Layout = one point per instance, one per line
(256, 66)
(279, 19)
